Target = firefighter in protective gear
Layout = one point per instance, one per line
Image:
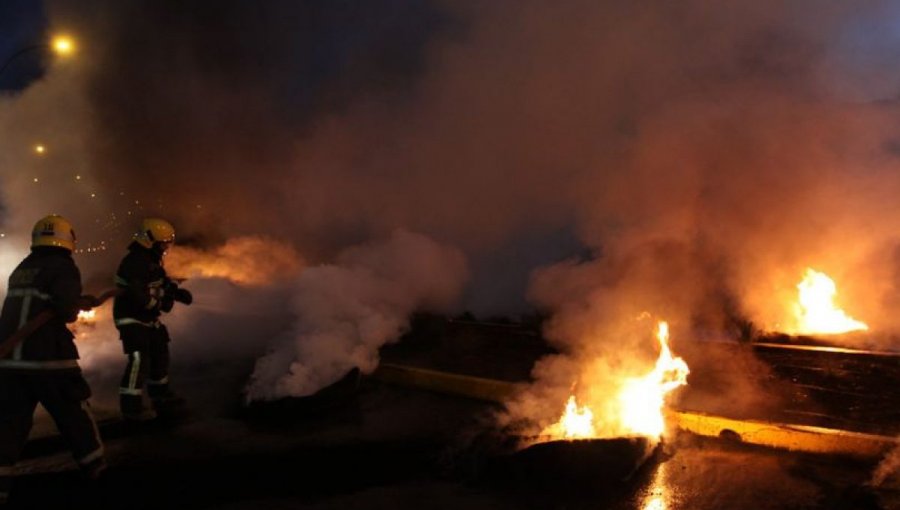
(43, 368)
(146, 292)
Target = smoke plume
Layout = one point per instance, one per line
(694, 157)
(347, 310)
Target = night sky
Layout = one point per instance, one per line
(22, 24)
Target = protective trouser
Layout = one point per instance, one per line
(64, 394)
(147, 348)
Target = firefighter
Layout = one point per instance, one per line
(145, 292)
(43, 367)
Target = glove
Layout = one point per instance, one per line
(183, 296)
(87, 302)
(167, 303)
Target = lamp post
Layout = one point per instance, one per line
(61, 45)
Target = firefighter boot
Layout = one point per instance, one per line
(132, 407)
(165, 401)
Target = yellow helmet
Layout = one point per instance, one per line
(53, 230)
(155, 230)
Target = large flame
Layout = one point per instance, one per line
(815, 310)
(640, 401)
(643, 399)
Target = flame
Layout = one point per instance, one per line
(643, 399)
(86, 323)
(640, 402)
(815, 310)
(87, 316)
(576, 423)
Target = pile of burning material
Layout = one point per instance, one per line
(592, 464)
(814, 318)
(819, 352)
(574, 450)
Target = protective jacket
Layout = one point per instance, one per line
(144, 285)
(47, 279)
(44, 368)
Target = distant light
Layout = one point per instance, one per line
(40, 149)
(77, 177)
(93, 195)
(35, 179)
(2, 235)
(63, 45)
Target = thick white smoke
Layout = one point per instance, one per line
(347, 310)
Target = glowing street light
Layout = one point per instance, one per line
(61, 45)
(40, 149)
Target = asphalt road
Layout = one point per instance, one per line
(397, 448)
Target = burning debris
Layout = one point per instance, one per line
(640, 400)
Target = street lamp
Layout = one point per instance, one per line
(62, 45)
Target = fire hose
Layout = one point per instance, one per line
(39, 320)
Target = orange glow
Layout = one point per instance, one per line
(639, 404)
(815, 311)
(242, 260)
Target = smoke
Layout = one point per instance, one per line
(243, 260)
(886, 468)
(746, 136)
(685, 159)
(239, 290)
(347, 310)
